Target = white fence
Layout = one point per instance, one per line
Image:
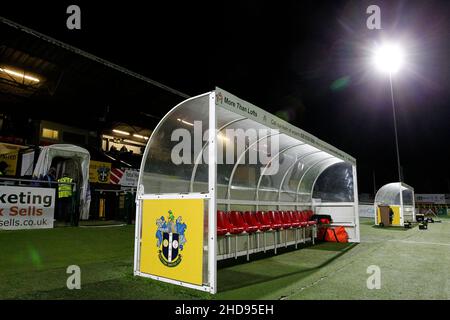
(366, 210)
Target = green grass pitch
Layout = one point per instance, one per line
(414, 264)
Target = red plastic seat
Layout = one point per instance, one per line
(301, 218)
(294, 219)
(309, 214)
(231, 228)
(306, 216)
(276, 220)
(236, 228)
(252, 221)
(286, 219)
(237, 219)
(264, 219)
(221, 229)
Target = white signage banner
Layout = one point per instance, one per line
(125, 177)
(26, 208)
(430, 198)
(130, 178)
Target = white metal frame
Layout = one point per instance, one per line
(268, 247)
(276, 156)
(356, 201)
(306, 171)
(200, 155)
(207, 288)
(212, 180)
(210, 196)
(280, 188)
(238, 161)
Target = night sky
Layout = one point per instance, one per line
(307, 61)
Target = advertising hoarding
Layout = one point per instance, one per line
(26, 208)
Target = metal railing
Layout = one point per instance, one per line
(32, 182)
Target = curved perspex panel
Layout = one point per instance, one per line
(176, 156)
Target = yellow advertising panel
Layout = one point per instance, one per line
(9, 161)
(172, 239)
(99, 172)
(395, 217)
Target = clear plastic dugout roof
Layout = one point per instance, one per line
(236, 156)
(302, 158)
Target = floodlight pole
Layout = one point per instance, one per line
(395, 129)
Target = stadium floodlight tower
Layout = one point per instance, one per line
(389, 58)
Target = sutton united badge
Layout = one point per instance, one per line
(171, 239)
(103, 174)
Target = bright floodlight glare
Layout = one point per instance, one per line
(388, 58)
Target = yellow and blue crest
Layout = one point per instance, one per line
(170, 239)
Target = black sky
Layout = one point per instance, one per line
(285, 56)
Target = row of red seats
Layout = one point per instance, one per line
(236, 222)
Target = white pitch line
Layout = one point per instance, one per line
(104, 226)
(422, 242)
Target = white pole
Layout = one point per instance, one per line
(400, 178)
(402, 218)
(356, 204)
(137, 237)
(212, 182)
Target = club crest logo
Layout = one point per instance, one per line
(170, 239)
(103, 174)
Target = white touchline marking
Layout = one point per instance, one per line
(105, 226)
(421, 242)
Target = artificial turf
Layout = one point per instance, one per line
(414, 265)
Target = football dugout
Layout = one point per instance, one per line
(397, 199)
(221, 178)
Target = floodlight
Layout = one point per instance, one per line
(388, 58)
